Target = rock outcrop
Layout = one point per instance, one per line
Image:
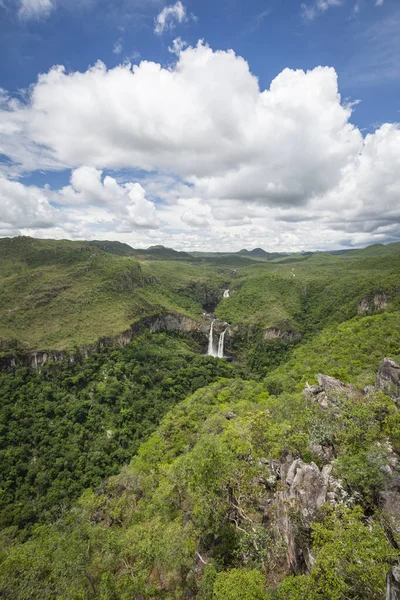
(388, 379)
(161, 322)
(370, 304)
(393, 584)
(306, 489)
(176, 322)
(328, 391)
(207, 294)
(33, 360)
(283, 335)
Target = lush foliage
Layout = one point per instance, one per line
(72, 425)
(204, 509)
(352, 559)
(188, 517)
(59, 295)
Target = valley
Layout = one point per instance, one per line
(218, 426)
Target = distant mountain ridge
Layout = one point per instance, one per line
(260, 253)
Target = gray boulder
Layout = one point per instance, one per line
(328, 391)
(393, 584)
(388, 378)
(296, 505)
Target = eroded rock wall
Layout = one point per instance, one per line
(161, 322)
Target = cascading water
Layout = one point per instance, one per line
(226, 294)
(211, 351)
(221, 344)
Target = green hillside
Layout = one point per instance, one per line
(60, 294)
(57, 295)
(193, 514)
(153, 471)
(309, 293)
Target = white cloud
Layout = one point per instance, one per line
(230, 139)
(233, 165)
(117, 49)
(310, 11)
(90, 199)
(195, 220)
(23, 206)
(318, 7)
(126, 205)
(177, 46)
(169, 16)
(33, 9)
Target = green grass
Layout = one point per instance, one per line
(57, 295)
(351, 351)
(309, 294)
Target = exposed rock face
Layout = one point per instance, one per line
(176, 322)
(33, 360)
(162, 322)
(330, 384)
(324, 453)
(274, 333)
(307, 485)
(388, 379)
(7, 363)
(390, 495)
(373, 303)
(393, 584)
(220, 326)
(390, 499)
(208, 295)
(307, 488)
(328, 392)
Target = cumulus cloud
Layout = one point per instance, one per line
(90, 198)
(228, 165)
(195, 220)
(169, 16)
(23, 206)
(231, 140)
(126, 204)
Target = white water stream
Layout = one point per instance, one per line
(212, 350)
(221, 344)
(211, 341)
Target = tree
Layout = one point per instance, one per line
(239, 585)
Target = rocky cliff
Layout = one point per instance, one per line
(165, 321)
(388, 379)
(373, 303)
(393, 584)
(284, 335)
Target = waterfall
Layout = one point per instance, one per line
(226, 294)
(211, 351)
(221, 344)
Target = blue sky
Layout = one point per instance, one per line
(145, 188)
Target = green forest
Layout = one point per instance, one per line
(139, 467)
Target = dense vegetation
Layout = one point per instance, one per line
(59, 295)
(71, 425)
(151, 471)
